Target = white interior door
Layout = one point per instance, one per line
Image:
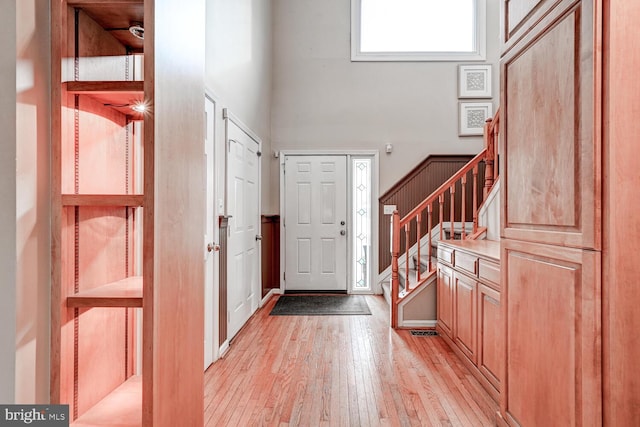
(315, 223)
(209, 239)
(243, 282)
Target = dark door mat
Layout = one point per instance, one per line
(320, 305)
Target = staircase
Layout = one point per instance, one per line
(413, 267)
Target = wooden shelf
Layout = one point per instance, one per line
(120, 408)
(123, 293)
(135, 200)
(106, 88)
(119, 95)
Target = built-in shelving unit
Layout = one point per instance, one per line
(98, 240)
(127, 312)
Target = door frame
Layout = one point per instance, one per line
(375, 188)
(217, 150)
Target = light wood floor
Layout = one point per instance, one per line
(340, 371)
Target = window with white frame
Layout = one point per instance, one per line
(418, 30)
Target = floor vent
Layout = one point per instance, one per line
(429, 333)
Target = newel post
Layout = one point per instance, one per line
(395, 282)
(490, 159)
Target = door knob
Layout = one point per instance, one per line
(213, 247)
(258, 237)
(342, 223)
(342, 232)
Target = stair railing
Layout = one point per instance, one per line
(488, 155)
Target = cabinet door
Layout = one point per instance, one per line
(490, 356)
(549, 127)
(445, 299)
(551, 308)
(464, 331)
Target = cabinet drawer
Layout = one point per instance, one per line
(490, 272)
(466, 262)
(445, 254)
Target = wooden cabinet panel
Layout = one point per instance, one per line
(445, 299)
(490, 273)
(551, 175)
(445, 255)
(552, 315)
(467, 262)
(517, 10)
(490, 356)
(621, 268)
(465, 321)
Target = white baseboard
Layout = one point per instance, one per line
(267, 297)
(223, 349)
(419, 323)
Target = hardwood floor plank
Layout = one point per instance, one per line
(340, 371)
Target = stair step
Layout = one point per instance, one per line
(413, 279)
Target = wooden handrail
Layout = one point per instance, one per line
(488, 155)
(444, 187)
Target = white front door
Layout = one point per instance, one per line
(243, 283)
(315, 221)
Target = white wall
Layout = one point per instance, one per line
(238, 72)
(322, 100)
(33, 201)
(8, 198)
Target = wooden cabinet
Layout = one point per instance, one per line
(570, 179)
(126, 316)
(469, 307)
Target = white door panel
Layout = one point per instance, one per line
(315, 223)
(243, 284)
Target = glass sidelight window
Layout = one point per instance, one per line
(361, 220)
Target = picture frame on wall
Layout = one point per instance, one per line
(473, 116)
(474, 81)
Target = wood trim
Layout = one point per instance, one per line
(621, 293)
(148, 291)
(58, 37)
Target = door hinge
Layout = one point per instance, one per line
(284, 276)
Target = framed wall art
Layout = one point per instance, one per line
(472, 117)
(474, 81)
